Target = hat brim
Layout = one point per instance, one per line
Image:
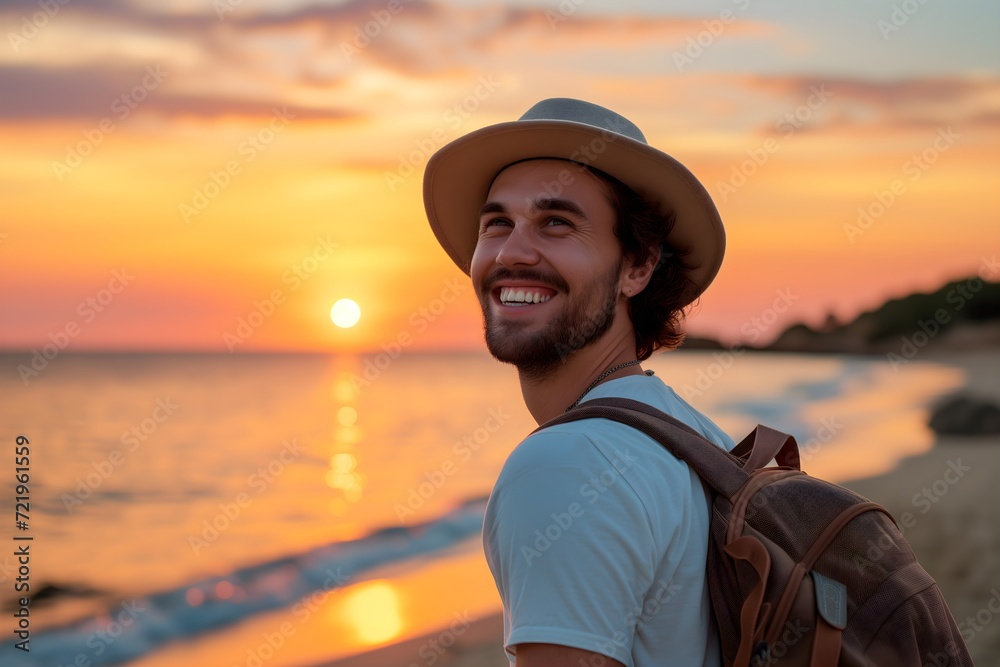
(458, 178)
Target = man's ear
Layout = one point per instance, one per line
(637, 276)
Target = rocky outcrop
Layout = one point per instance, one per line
(964, 414)
(961, 315)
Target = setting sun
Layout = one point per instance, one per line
(345, 313)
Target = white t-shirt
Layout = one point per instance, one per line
(597, 538)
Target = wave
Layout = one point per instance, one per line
(134, 628)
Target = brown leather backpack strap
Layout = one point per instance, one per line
(830, 532)
(826, 644)
(716, 467)
(765, 443)
(750, 549)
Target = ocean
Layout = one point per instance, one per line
(289, 510)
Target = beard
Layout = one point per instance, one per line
(580, 323)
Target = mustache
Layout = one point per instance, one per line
(503, 273)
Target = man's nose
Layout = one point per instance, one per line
(520, 247)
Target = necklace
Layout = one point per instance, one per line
(598, 380)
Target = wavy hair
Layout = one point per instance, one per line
(658, 311)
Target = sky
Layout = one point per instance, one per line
(213, 175)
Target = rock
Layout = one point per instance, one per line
(964, 414)
(699, 343)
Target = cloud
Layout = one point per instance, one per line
(85, 57)
(41, 93)
(912, 103)
(361, 57)
(432, 39)
(89, 92)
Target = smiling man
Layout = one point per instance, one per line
(584, 245)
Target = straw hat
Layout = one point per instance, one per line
(458, 177)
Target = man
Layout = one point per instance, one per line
(584, 244)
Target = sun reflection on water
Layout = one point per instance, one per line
(373, 612)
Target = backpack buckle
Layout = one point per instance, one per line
(831, 600)
(761, 654)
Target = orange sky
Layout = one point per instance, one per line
(165, 176)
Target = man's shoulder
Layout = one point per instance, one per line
(568, 444)
(654, 392)
(589, 448)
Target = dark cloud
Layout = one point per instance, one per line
(42, 93)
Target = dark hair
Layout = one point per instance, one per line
(657, 312)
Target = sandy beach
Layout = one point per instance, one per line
(947, 501)
(479, 646)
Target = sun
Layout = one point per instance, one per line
(345, 313)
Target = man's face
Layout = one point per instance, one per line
(547, 265)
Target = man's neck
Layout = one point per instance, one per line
(551, 395)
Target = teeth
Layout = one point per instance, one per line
(510, 295)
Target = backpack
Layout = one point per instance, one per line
(800, 571)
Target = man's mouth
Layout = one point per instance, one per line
(524, 296)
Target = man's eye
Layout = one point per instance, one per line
(558, 221)
(495, 222)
